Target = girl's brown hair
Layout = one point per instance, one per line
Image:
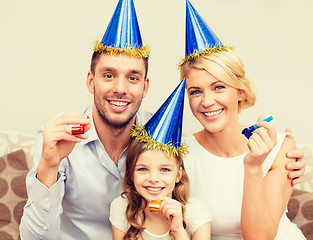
(136, 203)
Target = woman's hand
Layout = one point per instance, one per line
(261, 143)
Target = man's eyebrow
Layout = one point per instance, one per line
(107, 69)
(133, 71)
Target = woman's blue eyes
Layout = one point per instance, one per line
(219, 88)
(195, 92)
(165, 170)
(216, 88)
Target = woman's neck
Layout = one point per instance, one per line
(226, 143)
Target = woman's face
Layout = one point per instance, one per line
(213, 103)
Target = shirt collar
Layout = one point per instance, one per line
(92, 133)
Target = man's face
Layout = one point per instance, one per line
(118, 85)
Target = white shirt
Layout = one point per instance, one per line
(77, 205)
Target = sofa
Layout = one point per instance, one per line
(16, 152)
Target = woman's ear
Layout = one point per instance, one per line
(179, 175)
(242, 95)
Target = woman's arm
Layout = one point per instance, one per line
(265, 199)
(117, 234)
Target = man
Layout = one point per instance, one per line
(75, 177)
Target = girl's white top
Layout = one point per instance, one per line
(195, 216)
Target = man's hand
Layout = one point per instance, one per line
(296, 168)
(58, 143)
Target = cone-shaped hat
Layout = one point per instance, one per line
(200, 39)
(164, 130)
(123, 34)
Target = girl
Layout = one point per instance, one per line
(242, 181)
(155, 171)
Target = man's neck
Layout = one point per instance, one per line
(114, 140)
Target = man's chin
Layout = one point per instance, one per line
(117, 123)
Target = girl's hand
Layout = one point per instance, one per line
(261, 143)
(172, 212)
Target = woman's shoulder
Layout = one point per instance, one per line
(196, 214)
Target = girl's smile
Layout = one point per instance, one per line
(155, 174)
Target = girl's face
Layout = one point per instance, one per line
(213, 103)
(155, 174)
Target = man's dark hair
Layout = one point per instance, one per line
(95, 58)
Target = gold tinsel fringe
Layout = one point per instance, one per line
(141, 135)
(207, 50)
(142, 52)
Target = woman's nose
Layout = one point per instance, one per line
(207, 100)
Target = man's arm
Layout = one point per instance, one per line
(45, 182)
(43, 207)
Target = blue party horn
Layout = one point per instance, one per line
(248, 131)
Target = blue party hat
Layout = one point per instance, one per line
(123, 34)
(164, 130)
(200, 39)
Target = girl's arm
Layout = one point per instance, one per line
(264, 199)
(117, 234)
(203, 232)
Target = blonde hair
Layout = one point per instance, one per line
(136, 203)
(226, 67)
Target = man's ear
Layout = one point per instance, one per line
(179, 175)
(146, 87)
(90, 82)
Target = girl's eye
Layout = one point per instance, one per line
(195, 92)
(141, 169)
(165, 170)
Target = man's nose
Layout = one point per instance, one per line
(120, 86)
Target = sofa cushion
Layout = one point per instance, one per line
(13, 194)
(12, 141)
(300, 211)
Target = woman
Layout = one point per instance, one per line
(242, 181)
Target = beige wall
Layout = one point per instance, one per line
(46, 47)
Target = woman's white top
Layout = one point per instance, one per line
(195, 216)
(218, 183)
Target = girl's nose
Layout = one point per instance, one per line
(153, 177)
